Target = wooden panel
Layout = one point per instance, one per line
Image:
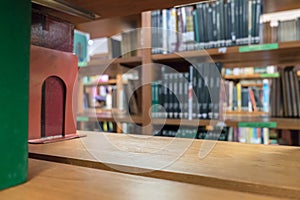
(147, 72)
(50, 181)
(272, 170)
(111, 26)
(275, 5)
(114, 8)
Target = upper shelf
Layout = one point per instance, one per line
(114, 8)
(287, 53)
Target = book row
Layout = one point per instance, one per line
(191, 95)
(207, 25)
(250, 99)
(281, 31)
(285, 94)
(233, 134)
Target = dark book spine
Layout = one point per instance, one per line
(257, 19)
(218, 24)
(180, 95)
(190, 97)
(214, 39)
(237, 20)
(223, 22)
(245, 21)
(175, 95)
(205, 25)
(200, 90)
(196, 95)
(186, 95)
(171, 96)
(196, 27)
(233, 21)
(209, 25)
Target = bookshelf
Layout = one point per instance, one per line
(280, 54)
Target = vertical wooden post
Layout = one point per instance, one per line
(146, 71)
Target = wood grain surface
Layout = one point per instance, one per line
(270, 170)
(50, 181)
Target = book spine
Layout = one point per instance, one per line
(190, 94)
(266, 94)
(239, 96)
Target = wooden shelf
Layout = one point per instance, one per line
(275, 5)
(110, 82)
(233, 121)
(108, 117)
(263, 169)
(246, 113)
(250, 76)
(288, 53)
(74, 182)
(252, 85)
(109, 66)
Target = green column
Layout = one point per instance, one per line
(14, 81)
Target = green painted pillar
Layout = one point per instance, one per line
(15, 17)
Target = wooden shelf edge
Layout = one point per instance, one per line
(232, 56)
(110, 82)
(108, 117)
(233, 121)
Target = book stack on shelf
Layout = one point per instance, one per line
(281, 27)
(251, 95)
(285, 96)
(206, 25)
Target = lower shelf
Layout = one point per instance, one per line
(234, 121)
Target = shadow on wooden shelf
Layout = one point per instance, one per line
(234, 120)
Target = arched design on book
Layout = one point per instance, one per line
(53, 107)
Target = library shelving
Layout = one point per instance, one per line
(280, 54)
(256, 173)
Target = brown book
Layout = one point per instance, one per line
(252, 99)
(293, 93)
(297, 91)
(284, 92)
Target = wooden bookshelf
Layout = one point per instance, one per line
(231, 57)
